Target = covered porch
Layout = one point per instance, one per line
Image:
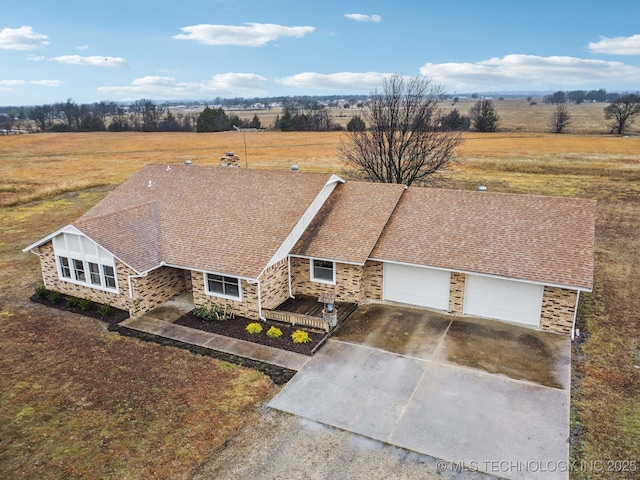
(309, 311)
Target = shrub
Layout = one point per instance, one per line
(300, 336)
(254, 328)
(71, 302)
(41, 292)
(274, 332)
(104, 310)
(207, 312)
(85, 304)
(54, 297)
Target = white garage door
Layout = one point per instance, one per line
(421, 286)
(507, 300)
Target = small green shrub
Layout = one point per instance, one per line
(71, 301)
(104, 310)
(300, 336)
(207, 312)
(254, 328)
(41, 292)
(274, 332)
(85, 304)
(54, 297)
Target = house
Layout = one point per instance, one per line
(254, 238)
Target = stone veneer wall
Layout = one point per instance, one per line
(156, 288)
(348, 287)
(274, 284)
(373, 280)
(456, 293)
(247, 308)
(52, 281)
(558, 307)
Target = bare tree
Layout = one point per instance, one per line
(402, 142)
(560, 119)
(622, 111)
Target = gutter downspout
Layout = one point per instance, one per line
(289, 276)
(257, 282)
(142, 275)
(575, 314)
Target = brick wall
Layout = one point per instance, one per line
(274, 284)
(248, 307)
(156, 288)
(349, 281)
(558, 306)
(373, 280)
(456, 293)
(53, 282)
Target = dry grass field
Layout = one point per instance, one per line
(78, 402)
(516, 115)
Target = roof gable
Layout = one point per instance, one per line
(350, 223)
(225, 220)
(542, 239)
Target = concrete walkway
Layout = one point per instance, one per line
(158, 322)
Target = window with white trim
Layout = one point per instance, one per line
(323, 271)
(82, 261)
(65, 269)
(109, 276)
(222, 286)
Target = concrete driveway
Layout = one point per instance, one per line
(478, 394)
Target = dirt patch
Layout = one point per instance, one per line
(236, 328)
(279, 445)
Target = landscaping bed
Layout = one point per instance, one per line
(72, 304)
(236, 328)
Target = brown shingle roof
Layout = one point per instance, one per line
(226, 220)
(542, 239)
(349, 224)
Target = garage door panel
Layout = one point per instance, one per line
(425, 287)
(507, 300)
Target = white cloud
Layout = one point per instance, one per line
(617, 45)
(23, 38)
(531, 72)
(342, 81)
(35, 58)
(83, 47)
(360, 17)
(249, 35)
(167, 88)
(42, 83)
(93, 61)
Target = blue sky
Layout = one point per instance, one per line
(201, 49)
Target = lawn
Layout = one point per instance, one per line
(76, 401)
(79, 402)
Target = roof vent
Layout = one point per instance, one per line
(482, 188)
(294, 168)
(187, 162)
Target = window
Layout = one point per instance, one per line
(223, 286)
(82, 261)
(65, 270)
(323, 271)
(78, 270)
(109, 276)
(94, 273)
